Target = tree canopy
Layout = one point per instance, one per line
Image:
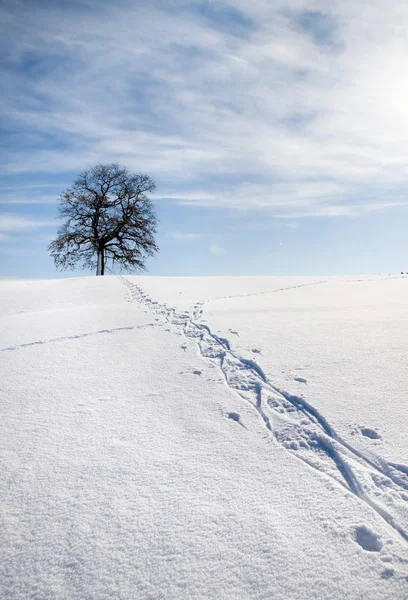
(109, 218)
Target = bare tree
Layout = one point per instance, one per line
(109, 218)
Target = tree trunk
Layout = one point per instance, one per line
(100, 269)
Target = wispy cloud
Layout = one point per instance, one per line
(21, 199)
(30, 193)
(297, 108)
(15, 223)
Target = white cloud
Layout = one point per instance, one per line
(16, 223)
(321, 129)
(217, 250)
(21, 199)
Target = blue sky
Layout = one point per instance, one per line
(276, 132)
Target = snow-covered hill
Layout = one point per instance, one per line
(204, 438)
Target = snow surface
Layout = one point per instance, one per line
(204, 438)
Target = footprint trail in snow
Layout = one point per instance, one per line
(294, 423)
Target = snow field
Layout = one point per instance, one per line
(144, 456)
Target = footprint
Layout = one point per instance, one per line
(301, 379)
(367, 539)
(236, 417)
(256, 351)
(370, 433)
(197, 372)
(387, 573)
